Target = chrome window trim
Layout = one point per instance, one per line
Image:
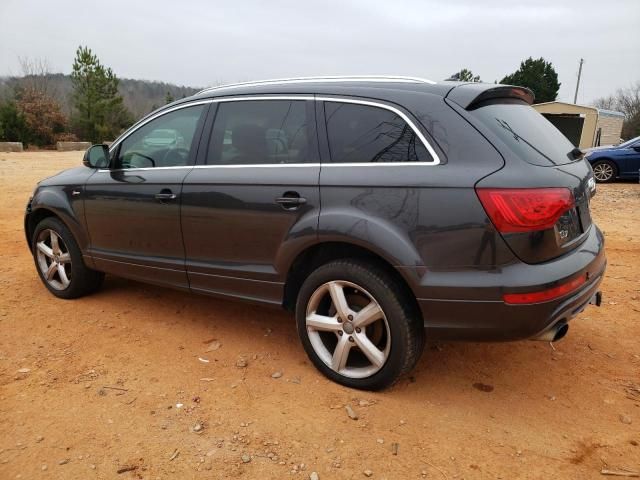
(322, 98)
(416, 130)
(136, 126)
(323, 79)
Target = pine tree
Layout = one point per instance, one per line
(537, 75)
(464, 75)
(99, 112)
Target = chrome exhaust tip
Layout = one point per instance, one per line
(553, 334)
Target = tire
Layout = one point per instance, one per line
(605, 171)
(56, 251)
(368, 292)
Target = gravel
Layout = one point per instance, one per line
(352, 415)
(626, 419)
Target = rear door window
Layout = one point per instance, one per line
(369, 134)
(254, 132)
(526, 133)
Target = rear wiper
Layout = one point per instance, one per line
(575, 154)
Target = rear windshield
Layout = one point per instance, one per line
(527, 133)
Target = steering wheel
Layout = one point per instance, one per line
(182, 152)
(137, 153)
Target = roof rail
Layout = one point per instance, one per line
(356, 78)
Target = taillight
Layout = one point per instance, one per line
(545, 295)
(525, 209)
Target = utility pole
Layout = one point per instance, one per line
(575, 97)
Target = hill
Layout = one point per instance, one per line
(140, 96)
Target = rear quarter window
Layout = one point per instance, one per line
(369, 134)
(525, 132)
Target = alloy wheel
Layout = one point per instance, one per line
(603, 172)
(348, 329)
(54, 259)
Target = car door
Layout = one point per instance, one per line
(133, 208)
(629, 160)
(253, 198)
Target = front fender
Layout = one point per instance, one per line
(58, 200)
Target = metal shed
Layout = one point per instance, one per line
(584, 126)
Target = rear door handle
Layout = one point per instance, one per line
(165, 194)
(290, 200)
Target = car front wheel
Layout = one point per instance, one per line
(357, 325)
(59, 261)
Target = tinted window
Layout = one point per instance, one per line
(361, 133)
(259, 132)
(527, 133)
(163, 142)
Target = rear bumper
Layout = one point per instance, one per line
(468, 305)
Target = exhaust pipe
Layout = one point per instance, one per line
(553, 334)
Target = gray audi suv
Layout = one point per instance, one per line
(381, 211)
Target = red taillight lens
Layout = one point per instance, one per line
(545, 295)
(525, 209)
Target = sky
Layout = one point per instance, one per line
(201, 43)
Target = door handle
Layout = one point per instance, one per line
(290, 200)
(165, 194)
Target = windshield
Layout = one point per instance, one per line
(526, 133)
(163, 134)
(628, 143)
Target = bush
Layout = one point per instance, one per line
(65, 137)
(13, 127)
(42, 115)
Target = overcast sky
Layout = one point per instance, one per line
(200, 43)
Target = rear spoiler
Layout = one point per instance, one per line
(470, 95)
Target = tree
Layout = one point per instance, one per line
(36, 75)
(607, 103)
(168, 98)
(537, 75)
(627, 101)
(99, 112)
(464, 75)
(13, 127)
(42, 116)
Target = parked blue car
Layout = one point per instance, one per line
(619, 161)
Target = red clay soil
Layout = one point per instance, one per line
(142, 382)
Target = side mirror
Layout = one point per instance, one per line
(97, 156)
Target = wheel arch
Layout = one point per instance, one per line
(49, 203)
(33, 219)
(319, 254)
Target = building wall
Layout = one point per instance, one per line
(590, 118)
(611, 129)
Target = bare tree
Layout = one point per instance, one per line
(606, 103)
(36, 75)
(627, 101)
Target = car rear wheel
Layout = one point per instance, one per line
(357, 326)
(604, 171)
(59, 261)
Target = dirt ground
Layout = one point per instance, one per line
(124, 379)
